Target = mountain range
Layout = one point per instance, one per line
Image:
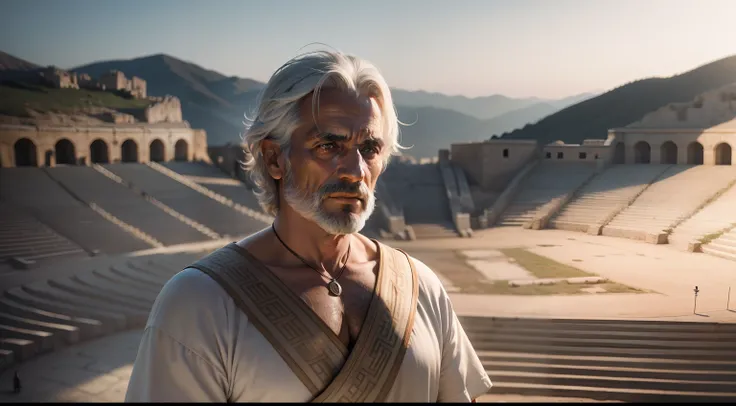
(217, 103)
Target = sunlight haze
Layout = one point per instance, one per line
(548, 49)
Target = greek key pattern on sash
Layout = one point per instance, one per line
(268, 307)
(365, 375)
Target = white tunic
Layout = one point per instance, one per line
(198, 346)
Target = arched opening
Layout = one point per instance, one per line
(619, 153)
(668, 153)
(129, 151)
(25, 153)
(723, 154)
(98, 152)
(695, 153)
(642, 153)
(64, 152)
(506, 153)
(157, 151)
(181, 150)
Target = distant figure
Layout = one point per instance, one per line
(308, 309)
(16, 383)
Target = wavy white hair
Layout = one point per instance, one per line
(277, 114)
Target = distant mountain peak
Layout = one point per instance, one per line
(9, 62)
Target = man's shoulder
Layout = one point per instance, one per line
(188, 297)
(425, 275)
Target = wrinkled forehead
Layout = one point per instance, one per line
(342, 112)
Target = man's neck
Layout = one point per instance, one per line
(311, 242)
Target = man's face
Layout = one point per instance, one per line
(335, 159)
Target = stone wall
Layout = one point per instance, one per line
(683, 139)
(181, 143)
(492, 164)
(164, 110)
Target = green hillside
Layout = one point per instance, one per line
(17, 98)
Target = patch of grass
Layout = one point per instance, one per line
(15, 99)
(712, 236)
(563, 288)
(542, 267)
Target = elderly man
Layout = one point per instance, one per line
(308, 309)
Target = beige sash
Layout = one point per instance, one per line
(307, 345)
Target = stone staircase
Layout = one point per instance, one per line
(22, 236)
(606, 193)
(630, 361)
(673, 198)
(46, 314)
(548, 180)
(724, 246)
(713, 219)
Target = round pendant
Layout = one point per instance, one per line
(334, 288)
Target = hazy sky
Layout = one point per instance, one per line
(544, 48)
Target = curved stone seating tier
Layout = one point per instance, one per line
(35, 191)
(420, 191)
(548, 180)
(716, 217)
(125, 204)
(216, 181)
(630, 361)
(21, 235)
(675, 196)
(606, 193)
(221, 218)
(43, 315)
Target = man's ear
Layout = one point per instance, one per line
(273, 157)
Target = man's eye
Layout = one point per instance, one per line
(369, 150)
(327, 146)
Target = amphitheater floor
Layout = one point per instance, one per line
(98, 371)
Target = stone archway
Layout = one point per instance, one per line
(181, 151)
(156, 151)
(723, 154)
(695, 153)
(25, 153)
(642, 153)
(64, 152)
(99, 152)
(619, 153)
(668, 153)
(129, 151)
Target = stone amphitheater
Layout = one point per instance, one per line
(85, 250)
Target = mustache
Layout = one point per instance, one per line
(357, 188)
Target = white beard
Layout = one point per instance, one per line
(310, 207)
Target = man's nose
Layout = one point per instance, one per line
(352, 166)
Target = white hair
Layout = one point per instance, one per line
(277, 114)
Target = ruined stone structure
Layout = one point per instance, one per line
(116, 80)
(163, 110)
(59, 78)
(50, 146)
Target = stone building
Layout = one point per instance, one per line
(50, 146)
(59, 78)
(116, 80)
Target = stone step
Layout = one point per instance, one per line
(22, 349)
(111, 322)
(130, 283)
(632, 342)
(138, 277)
(88, 328)
(46, 341)
(70, 334)
(135, 317)
(7, 359)
(126, 293)
(542, 348)
(618, 362)
(723, 248)
(505, 386)
(621, 383)
(611, 371)
(718, 253)
(609, 330)
(113, 301)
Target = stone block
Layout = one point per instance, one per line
(694, 246)
(656, 238)
(594, 229)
